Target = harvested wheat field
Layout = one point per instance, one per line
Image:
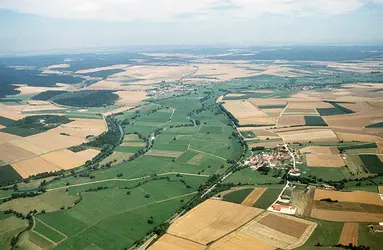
(273, 112)
(291, 120)
(116, 111)
(196, 159)
(320, 150)
(357, 137)
(313, 135)
(355, 121)
(280, 231)
(268, 101)
(345, 216)
(380, 189)
(266, 144)
(130, 98)
(35, 108)
(171, 242)
(5, 137)
(349, 234)
(164, 153)
(354, 196)
(324, 160)
(53, 161)
(29, 147)
(51, 140)
(243, 109)
(10, 153)
(134, 144)
(211, 220)
(92, 70)
(253, 197)
(308, 105)
(240, 240)
(34, 166)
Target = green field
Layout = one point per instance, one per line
(47, 232)
(249, 177)
(8, 174)
(115, 225)
(372, 163)
(375, 125)
(368, 238)
(326, 234)
(315, 121)
(237, 196)
(5, 121)
(267, 198)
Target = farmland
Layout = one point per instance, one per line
(158, 148)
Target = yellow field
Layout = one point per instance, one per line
(211, 220)
(324, 160)
(116, 111)
(349, 234)
(130, 98)
(29, 147)
(247, 113)
(92, 70)
(355, 196)
(357, 137)
(51, 140)
(164, 153)
(240, 240)
(171, 242)
(4, 137)
(10, 153)
(314, 135)
(253, 197)
(54, 161)
(134, 144)
(308, 105)
(291, 120)
(320, 150)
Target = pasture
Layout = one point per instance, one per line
(372, 163)
(127, 218)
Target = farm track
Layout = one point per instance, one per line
(219, 157)
(123, 180)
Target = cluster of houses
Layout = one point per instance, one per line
(268, 159)
(273, 159)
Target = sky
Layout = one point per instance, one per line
(54, 25)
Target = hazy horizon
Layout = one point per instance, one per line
(59, 26)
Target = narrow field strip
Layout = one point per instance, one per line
(123, 180)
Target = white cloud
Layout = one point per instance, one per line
(164, 10)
